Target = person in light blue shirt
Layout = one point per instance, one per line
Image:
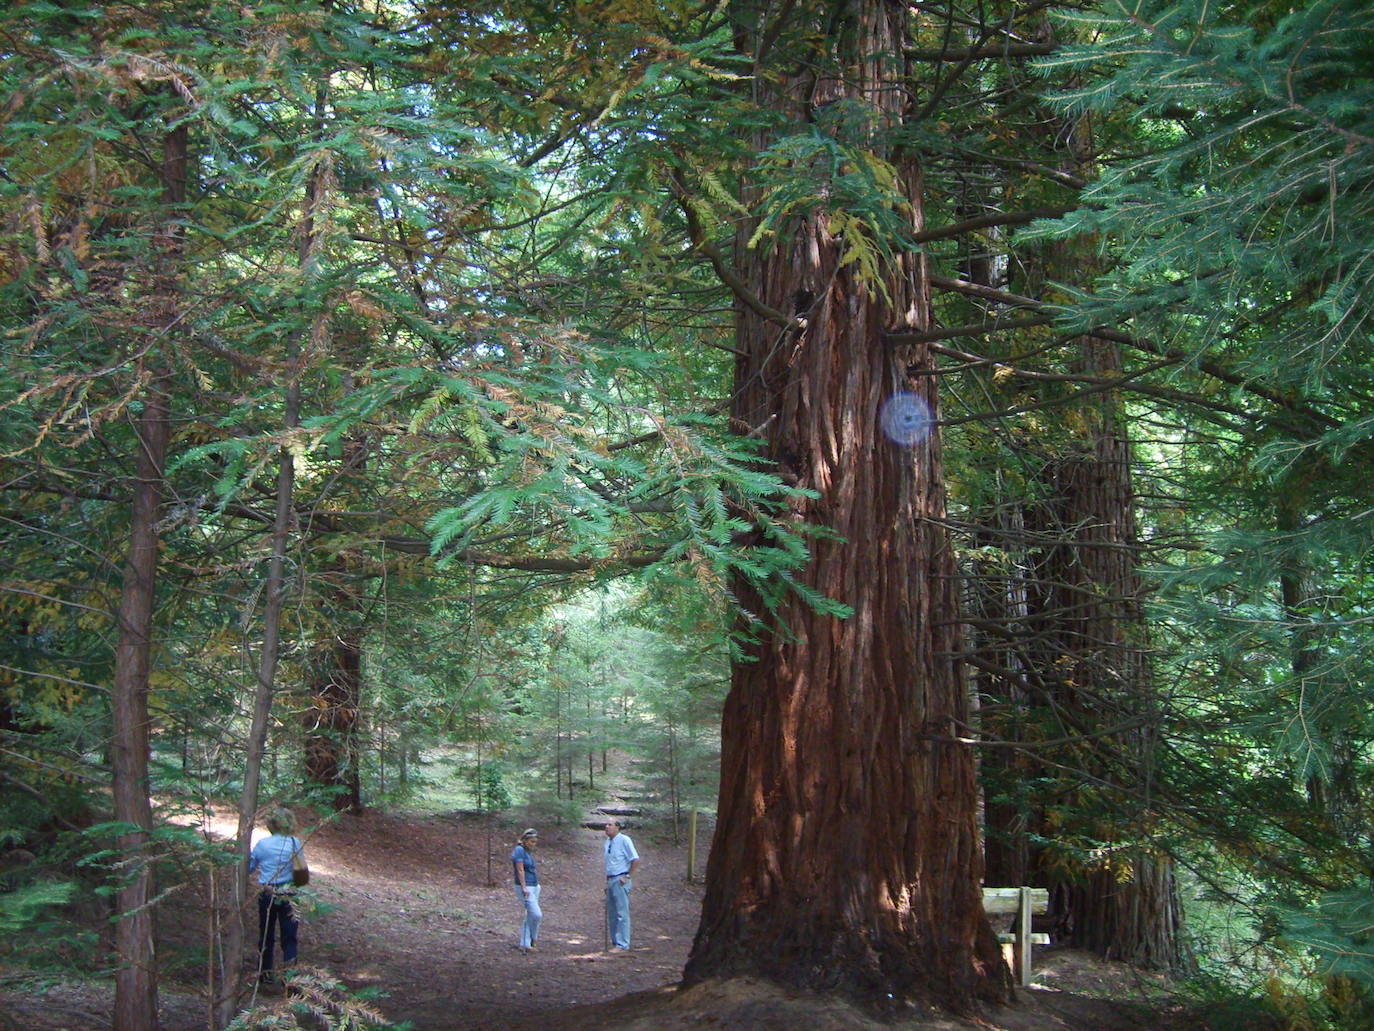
(271, 861)
(527, 888)
(621, 862)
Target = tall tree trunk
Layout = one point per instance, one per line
(136, 980)
(1332, 784)
(135, 1006)
(1068, 601)
(333, 721)
(998, 596)
(1128, 907)
(1091, 616)
(225, 1001)
(846, 853)
(230, 973)
(1073, 608)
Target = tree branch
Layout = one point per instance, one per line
(529, 564)
(976, 329)
(726, 274)
(993, 50)
(996, 218)
(1211, 368)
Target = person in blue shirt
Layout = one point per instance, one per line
(527, 888)
(271, 861)
(621, 861)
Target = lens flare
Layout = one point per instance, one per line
(906, 419)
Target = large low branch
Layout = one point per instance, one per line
(986, 293)
(971, 360)
(976, 329)
(1058, 175)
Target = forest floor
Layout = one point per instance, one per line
(421, 909)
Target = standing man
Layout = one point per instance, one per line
(621, 861)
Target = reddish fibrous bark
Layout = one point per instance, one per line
(846, 855)
(331, 722)
(135, 1006)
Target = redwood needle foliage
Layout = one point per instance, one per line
(1239, 251)
(526, 297)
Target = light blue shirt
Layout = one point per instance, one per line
(620, 853)
(522, 856)
(271, 858)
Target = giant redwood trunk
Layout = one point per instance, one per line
(1072, 662)
(846, 855)
(331, 759)
(1096, 667)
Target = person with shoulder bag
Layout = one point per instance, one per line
(279, 862)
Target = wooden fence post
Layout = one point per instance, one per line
(692, 848)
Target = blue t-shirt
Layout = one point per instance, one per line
(271, 858)
(522, 855)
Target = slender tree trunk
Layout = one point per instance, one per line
(846, 853)
(135, 930)
(226, 1004)
(135, 1006)
(333, 723)
(998, 603)
(226, 1000)
(1334, 791)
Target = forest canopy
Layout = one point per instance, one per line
(398, 399)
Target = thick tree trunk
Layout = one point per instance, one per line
(1091, 617)
(1085, 649)
(1072, 607)
(846, 854)
(331, 759)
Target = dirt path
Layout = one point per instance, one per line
(411, 912)
(414, 915)
(410, 906)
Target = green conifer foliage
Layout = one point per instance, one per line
(1240, 257)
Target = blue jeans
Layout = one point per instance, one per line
(529, 930)
(618, 912)
(275, 913)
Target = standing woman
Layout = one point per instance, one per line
(527, 887)
(271, 860)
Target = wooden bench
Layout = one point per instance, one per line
(1021, 903)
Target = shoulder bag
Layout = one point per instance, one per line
(300, 872)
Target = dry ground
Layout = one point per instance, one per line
(421, 908)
